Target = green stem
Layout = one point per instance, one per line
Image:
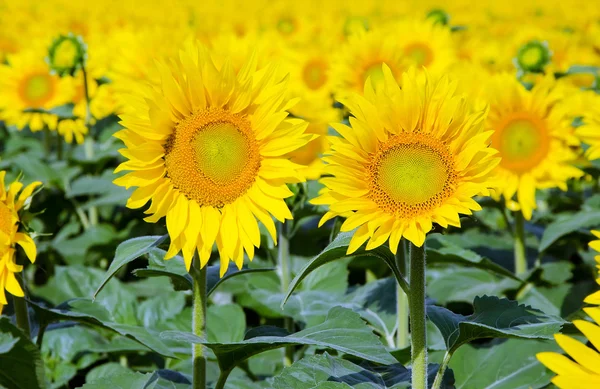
(520, 257)
(47, 141)
(59, 146)
(418, 323)
(222, 379)
(439, 377)
(199, 323)
(402, 338)
(88, 145)
(40, 335)
(20, 306)
(285, 275)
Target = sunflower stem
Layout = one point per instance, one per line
(439, 377)
(418, 323)
(520, 256)
(402, 338)
(89, 140)
(285, 275)
(47, 142)
(21, 313)
(59, 147)
(199, 323)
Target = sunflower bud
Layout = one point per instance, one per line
(67, 54)
(438, 16)
(533, 56)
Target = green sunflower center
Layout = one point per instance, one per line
(411, 174)
(37, 89)
(522, 142)
(221, 152)
(419, 54)
(65, 54)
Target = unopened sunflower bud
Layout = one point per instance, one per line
(67, 54)
(533, 56)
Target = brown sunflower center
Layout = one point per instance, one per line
(523, 142)
(419, 54)
(213, 157)
(314, 74)
(37, 89)
(411, 174)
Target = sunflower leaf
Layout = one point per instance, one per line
(336, 250)
(319, 370)
(128, 251)
(567, 224)
(493, 318)
(343, 330)
(22, 366)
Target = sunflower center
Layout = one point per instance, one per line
(315, 74)
(6, 220)
(419, 54)
(65, 54)
(523, 143)
(411, 174)
(375, 72)
(212, 157)
(37, 89)
(286, 26)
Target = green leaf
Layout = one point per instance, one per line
(343, 330)
(213, 278)
(336, 250)
(173, 268)
(510, 365)
(21, 363)
(123, 381)
(567, 224)
(459, 256)
(106, 370)
(128, 251)
(88, 312)
(319, 370)
(493, 318)
(548, 300)
(76, 249)
(227, 323)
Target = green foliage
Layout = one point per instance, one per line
(22, 366)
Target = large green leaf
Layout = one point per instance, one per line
(336, 250)
(567, 224)
(493, 318)
(510, 365)
(343, 330)
(227, 323)
(128, 251)
(319, 370)
(127, 380)
(20, 361)
(86, 311)
(457, 255)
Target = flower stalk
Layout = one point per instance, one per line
(20, 306)
(520, 255)
(418, 323)
(402, 338)
(285, 275)
(198, 274)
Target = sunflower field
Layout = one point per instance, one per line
(294, 195)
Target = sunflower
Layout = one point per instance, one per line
(412, 157)
(208, 148)
(589, 133)
(71, 129)
(362, 57)
(12, 201)
(310, 154)
(533, 138)
(583, 371)
(26, 83)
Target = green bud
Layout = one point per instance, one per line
(438, 16)
(67, 54)
(533, 56)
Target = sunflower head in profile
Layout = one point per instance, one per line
(13, 200)
(589, 133)
(582, 369)
(208, 149)
(533, 138)
(26, 85)
(412, 156)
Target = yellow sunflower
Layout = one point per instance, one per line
(412, 157)
(310, 154)
(583, 370)
(208, 148)
(589, 133)
(533, 138)
(26, 83)
(12, 201)
(72, 129)
(362, 57)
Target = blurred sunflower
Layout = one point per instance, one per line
(208, 147)
(26, 83)
(310, 154)
(589, 133)
(583, 370)
(362, 57)
(533, 138)
(12, 201)
(412, 157)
